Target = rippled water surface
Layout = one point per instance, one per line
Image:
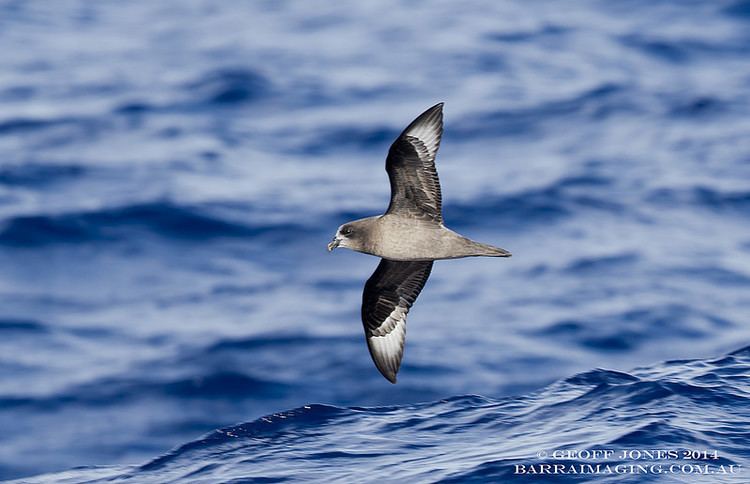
(170, 173)
(476, 439)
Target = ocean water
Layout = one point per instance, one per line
(171, 172)
(472, 438)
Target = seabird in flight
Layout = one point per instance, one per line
(407, 238)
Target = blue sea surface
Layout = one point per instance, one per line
(478, 439)
(171, 172)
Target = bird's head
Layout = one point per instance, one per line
(352, 235)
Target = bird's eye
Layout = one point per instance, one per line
(346, 231)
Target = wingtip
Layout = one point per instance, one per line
(429, 113)
(391, 377)
(388, 372)
(437, 107)
(428, 127)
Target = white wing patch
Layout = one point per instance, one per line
(386, 343)
(428, 131)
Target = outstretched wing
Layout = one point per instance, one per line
(388, 295)
(415, 187)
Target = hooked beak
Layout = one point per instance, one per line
(334, 243)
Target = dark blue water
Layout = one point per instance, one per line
(477, 439)
(171, 172)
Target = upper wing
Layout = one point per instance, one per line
(415, 188)
(388, 295)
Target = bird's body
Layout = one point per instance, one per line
(408, 238)
(400, 238)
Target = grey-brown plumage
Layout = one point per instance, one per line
(408, 238)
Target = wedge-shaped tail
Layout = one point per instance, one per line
(487, 250)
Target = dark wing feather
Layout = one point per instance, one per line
(388, 295)
(415, 187)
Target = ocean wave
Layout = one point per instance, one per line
(635, 327)
(175, 221)
(595, 103)
(21, 326)
(334, 139)
(603, 263)
(564, 197)
(228, 86)
(703, 196)
(677, 405)
(685, 49)
(222, 87)
(739, 9)
(549, 30)
(38, 174)
(21, 125)
(107, 392)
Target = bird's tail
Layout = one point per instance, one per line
(487, 250)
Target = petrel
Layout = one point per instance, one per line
(408, 237)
